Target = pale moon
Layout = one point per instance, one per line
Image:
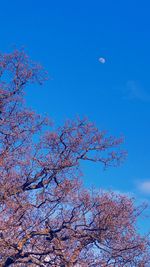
(102, 60)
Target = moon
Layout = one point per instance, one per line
(102, 60)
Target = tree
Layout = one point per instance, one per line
(47, 218)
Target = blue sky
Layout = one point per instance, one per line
(68, 37)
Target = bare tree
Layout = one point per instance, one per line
(47, 218)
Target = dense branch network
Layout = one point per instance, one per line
(46, 217)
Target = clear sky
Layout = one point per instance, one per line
(68, 37)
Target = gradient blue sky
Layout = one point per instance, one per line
(68, 37)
